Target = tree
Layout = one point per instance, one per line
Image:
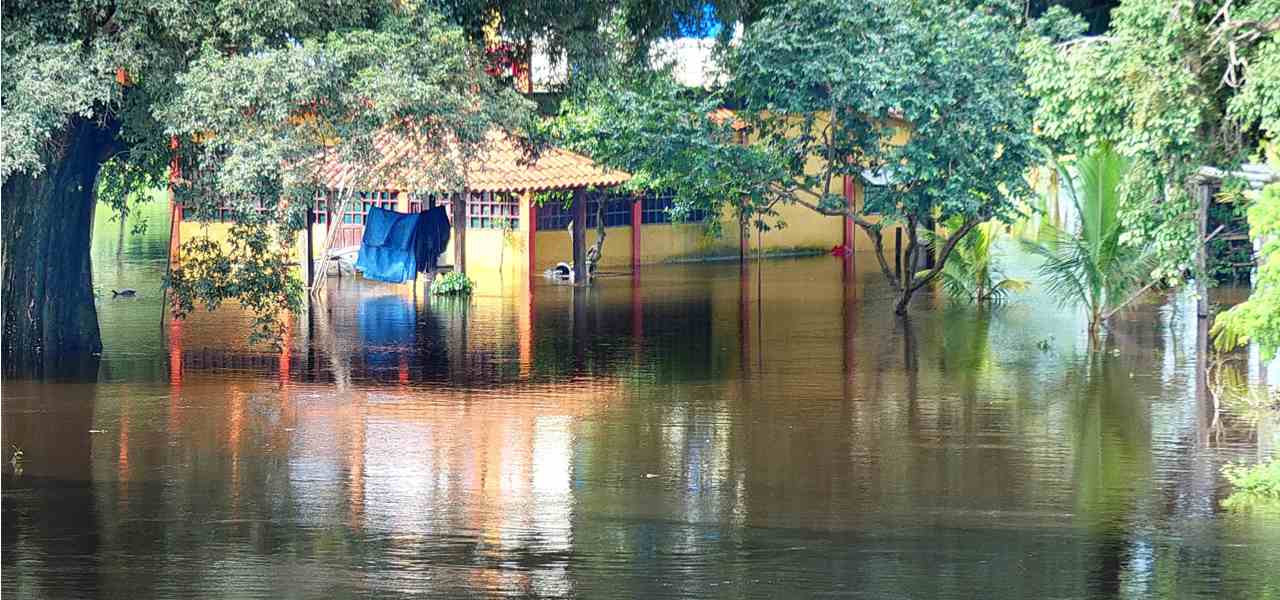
(1092, 267)
(843, 80)
(1258, 318)
(1219, 60)
(673, 139)
(242, 98)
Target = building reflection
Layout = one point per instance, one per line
(640, 441)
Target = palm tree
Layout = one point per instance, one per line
(973, 273)
(1091, 267)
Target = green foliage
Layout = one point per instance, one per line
(1258, 318)
(667, 138)
(250, 96)
(837, 81)
(1153, 86)
(1257, 488)
(452, 283)
(1059, 24)
(1091, 267)
(843, 80)
(593, 36)
(825, 78)
(973, 272)
(253, 268)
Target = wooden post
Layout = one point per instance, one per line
(310, 252)
(1202, 260)
(743, 241)
(636, 218)
(459, 207)
(579, 236)
(897, 250)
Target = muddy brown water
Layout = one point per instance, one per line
(697, 431)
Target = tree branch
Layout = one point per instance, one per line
(1107, 315)
(872, 230)
(950, 245)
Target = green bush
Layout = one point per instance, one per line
(452, 283)
(1257, 487)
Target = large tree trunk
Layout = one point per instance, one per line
(49, 319)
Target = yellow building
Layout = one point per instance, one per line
(506, 233)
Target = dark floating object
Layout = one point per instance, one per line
(124, 293)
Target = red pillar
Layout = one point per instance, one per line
(849, 201)
(530, 241)
(175, 209)
(635, 234)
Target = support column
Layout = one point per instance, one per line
(530, 212)
(848, 224)
(459, 206)
(309, 253)
(1202, 259)
(635, 232)
(579, 236)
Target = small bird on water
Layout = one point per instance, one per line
(124, 293)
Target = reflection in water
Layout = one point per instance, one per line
(697, 430)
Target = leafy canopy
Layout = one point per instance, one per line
(673, 139)
(246, 96)
(1174, 84)
(842, 79)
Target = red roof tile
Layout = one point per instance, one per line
(404, 162)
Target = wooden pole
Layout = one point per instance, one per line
(310, 252)
(331, 233)
(1202, 262)
(579, 236)
(175, 225)
(897, 250)
(460, 231)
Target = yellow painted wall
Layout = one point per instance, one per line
(556, 246)
(804, 230)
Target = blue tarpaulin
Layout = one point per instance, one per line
(387, 249)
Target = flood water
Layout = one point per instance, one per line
(696, 431)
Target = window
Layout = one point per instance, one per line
(554, 215)
(617, 210)
(321, 210)
(367, 200)
(224, 213)
(656, 208)
(488, 210)
(421, 202)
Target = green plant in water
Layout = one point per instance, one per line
(1091, 267)
(15, 460)
(1256, 487)
(452, 283)
(973, 274)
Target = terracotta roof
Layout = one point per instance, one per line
(406, 163)
(720, 115)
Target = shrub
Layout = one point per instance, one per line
(452, 283)
(1257, 487)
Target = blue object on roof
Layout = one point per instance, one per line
(387, 248)
(702, 26)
